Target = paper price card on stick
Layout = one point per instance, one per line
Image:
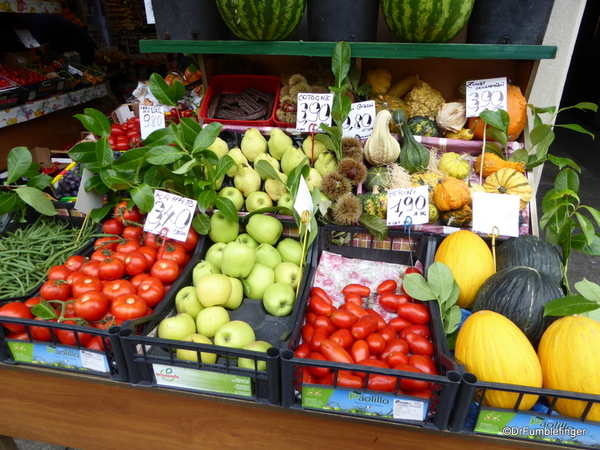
(496, 210)
(151, 118)
(360, 121)
(409, 206)
(488, 94)
(171, 215)
(27, 38)
(313, 109)
(303, 200)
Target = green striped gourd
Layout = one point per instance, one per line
(426, 20)
(261, 20)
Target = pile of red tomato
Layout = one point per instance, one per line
(126, 135)
(124, 278)
(355, 334)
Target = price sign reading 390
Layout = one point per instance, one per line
(172, 213)
(151, 118)
(408, 206)
(489, 94)
(313, 109)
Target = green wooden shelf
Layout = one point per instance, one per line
(377, 50)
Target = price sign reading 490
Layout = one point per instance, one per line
(151, 118)
(171, 213)
(489, 94)
(313, 109)
(408, 206)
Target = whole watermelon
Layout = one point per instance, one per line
(426, 20)
(261, 20)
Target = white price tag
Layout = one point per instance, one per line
(303, 200)
(313, 109)
(74, 71)
(151, 118)
(27, 38)
(496, 210)
(171, 215)
(409, 206)
(360, 121)
(86, 201)
(488, 94)
(409, 409)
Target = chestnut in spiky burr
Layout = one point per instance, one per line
(352, 148)
(354, 170)
(347, 210)
(334, 185)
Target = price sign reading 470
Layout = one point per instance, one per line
(489, 94)
(408, 206)
(313, 109)
(172, 214)
(151, 118)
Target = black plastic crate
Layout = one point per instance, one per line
(392, 407)
(152, 361)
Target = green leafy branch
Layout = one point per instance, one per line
(584, 303)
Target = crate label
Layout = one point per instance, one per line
(202, 380)
(313, 109)
(363, 403)
(539, 427)
(172, 214)
(58, 356)
(408, 206)
(360, 121)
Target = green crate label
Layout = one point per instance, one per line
(529, 425)
(58, 356)
(363, 403)
(202, 380)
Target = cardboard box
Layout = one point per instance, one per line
(125, 111)
(43, 156)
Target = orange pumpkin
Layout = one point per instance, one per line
(517, 113)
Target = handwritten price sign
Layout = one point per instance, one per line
(410, 205)
(151, 118)
(172, 213)
(489, 94)
(360, 121)
(313, 109)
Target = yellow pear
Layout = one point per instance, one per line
(278, 143)
(219, 147)
(276, 188)
(253, 143)
(247, 180)
(236, 154)
(265, 156)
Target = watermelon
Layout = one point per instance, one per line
(426, 20)
(261, 20)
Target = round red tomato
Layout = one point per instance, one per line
(113, 226)
(58, 272)
(111, 269)
(106, 242)
(41, 333)
(135, 263)
(151, 290)
(90, 268)
(122, 213)
(91, 306)
(55, 290)
(149, 253)
(417, 313)
(166, 270)
(128, 246)
(137, 279)
(128, 307)
(75, 262)
(133, 232)
(174, 251)
(74, 276)
(101, 254)
(112, 289)
(75, 338)
(96, 343)
(17, 310)
(32, 301)
(85, 284)
(153, 240)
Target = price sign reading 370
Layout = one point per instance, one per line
(408, 206)
(171, 213)
(488, 94)
(313, 109)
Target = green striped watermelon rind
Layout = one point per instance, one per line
(426, 21)
(261, 20)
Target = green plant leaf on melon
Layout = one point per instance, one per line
(567, 306)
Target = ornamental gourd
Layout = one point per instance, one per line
(495, 350)
(460, 217)
(469, 259)
(381, 147)
(493, 162)
(569, 353)
(451, 193)
(414, 156)
(519, 293)
(454, 165)
(509, 181)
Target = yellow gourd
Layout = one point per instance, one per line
(380, 80)
(509, 181)
(492, 163)
(569, 353)
(381, 147)
(454, 165)
(495, 350)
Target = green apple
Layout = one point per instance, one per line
(210, 319)
(246, 239)
(186, 301)
(264, 228)
(214, 255)
(219, 147)
(176, 327)
(258, 200)
(257, 281)
(290, 250)
(238, 260)
(223, 229)
(325, 163)
(237, 294)
(204, 268)
(256, 346)
(239, 158)
(247, 180)
(234, 195)
(314, 179)
(213, 289)
(286, 201)
(192, 355)
(279, 299)
(278, 142)
(253, 143)
(288, 272)
(291, 158)
(276, 188)
(312, 148)
(267, 255)
(234, 334)
(268, 158)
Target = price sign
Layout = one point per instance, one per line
(172, 213)
(151, 118)
(496, 210)
(360, 121)
(488, 94)
(27, 38)
(410, 205)
(74, 71)
(303, 200)
(313, 109)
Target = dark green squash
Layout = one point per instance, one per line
(520, 294)
(414, 156)
(376, 176)
(423, 126)
(530, 251)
